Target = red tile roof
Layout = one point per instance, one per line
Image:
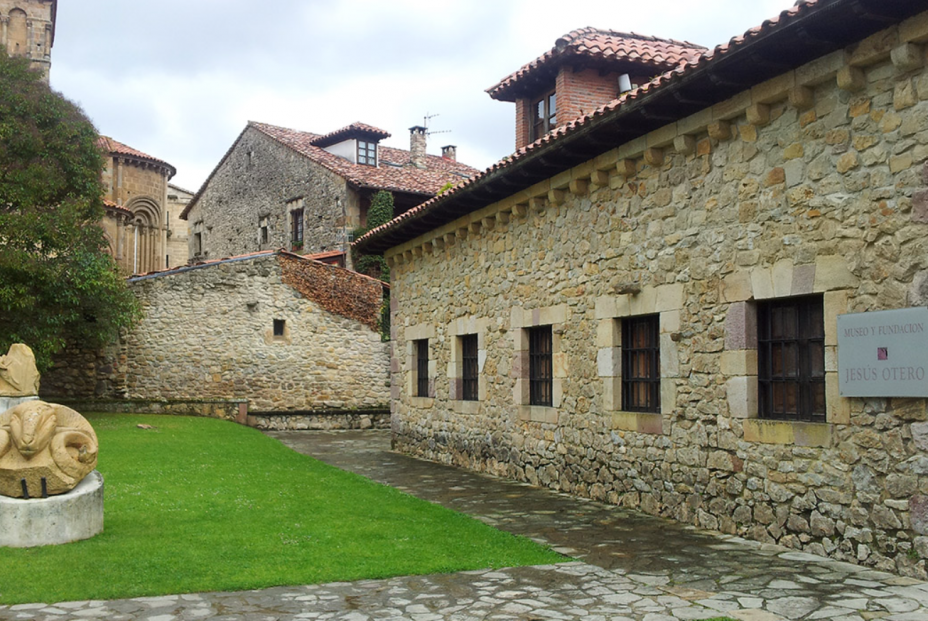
(115, 206)
(391, 174)
(352, 131)
(658, 55)
(855, 24)
(114, 147)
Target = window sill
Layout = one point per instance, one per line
(538, 414)
(421, 402)
(788, 432)
(465, 407)
(641, 422)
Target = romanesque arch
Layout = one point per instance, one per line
(146, 244)
(17, 34)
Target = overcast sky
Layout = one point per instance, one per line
(179, 79)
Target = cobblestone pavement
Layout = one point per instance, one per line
(632, 567)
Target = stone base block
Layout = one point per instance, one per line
(11, 402)
(55, 520)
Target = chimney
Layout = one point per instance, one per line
(417, 146)
(450, 153)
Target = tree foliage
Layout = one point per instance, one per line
(380, 212)
(57, 283)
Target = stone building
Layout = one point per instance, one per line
(642, 306)
(279, 187)
(27, 28)
(284, 334)
(177, 245)
(136, 201)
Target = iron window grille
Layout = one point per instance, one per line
(470, 367)
(540, 366)
(641, 364)
(367, 153)
(296, 226)
(544, 115)
(791, 359)
(422, 368)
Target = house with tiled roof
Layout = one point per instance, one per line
(705, 298)
(278, 187)
(137, 224)
(585, 69)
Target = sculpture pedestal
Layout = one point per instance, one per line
(58, 519)
(11, 402)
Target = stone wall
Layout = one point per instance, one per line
(809, 184)
(260, 182)
(208, 334)
(338, 419)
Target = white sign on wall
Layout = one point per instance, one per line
(883, 353)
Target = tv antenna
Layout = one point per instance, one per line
(425, 123)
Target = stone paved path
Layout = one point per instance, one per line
(632, 567)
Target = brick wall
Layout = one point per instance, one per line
(580, 93)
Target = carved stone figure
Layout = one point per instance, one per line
(19, 376)
(45, 449)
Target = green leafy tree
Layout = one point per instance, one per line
(57, 283)
(380, 212)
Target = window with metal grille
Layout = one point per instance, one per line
(544, 115)
(296, 227)
(422, 368)
(540, 366)
(791, 359)
(470, 366)
(641, 364)
(367, 153)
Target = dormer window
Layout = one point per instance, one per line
(544, 115)
(367, 153)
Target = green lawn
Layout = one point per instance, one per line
(205, 505)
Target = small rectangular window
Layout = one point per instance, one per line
(544, 115)
(422, 368)
(791, 359)
(541, 366)
(197, 243)
(470, 367)
(367, 153)
(279, 327)
(641, 368)
(296, 227)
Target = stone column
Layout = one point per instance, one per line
(4, 24)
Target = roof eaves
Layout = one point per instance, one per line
(386, 236)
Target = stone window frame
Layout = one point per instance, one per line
(521, 321)
(665, 301)
(828, 276)
(296, 206)
(463, 326)
(414, 334)
(271, 338)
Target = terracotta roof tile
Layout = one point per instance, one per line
(606, 45)
(114, 147)
(641, 94)
(353, 130)
(115, 206)
(393, 172)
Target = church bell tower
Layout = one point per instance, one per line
(27, 28)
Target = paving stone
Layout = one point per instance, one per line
(630, 567)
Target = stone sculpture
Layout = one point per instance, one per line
(19, 376)
(45, 449)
